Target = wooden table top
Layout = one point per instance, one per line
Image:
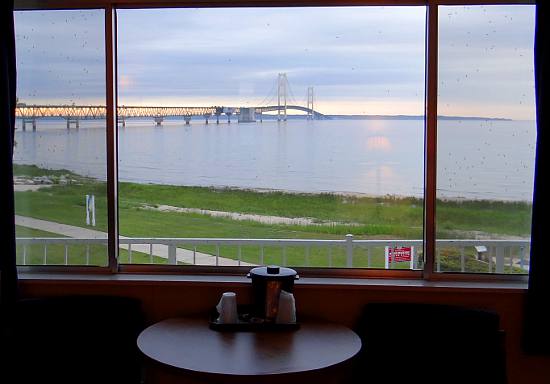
(189, 344)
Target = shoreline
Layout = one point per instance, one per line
(67, 174)
(459, 199)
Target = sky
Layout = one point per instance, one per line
(359, 60)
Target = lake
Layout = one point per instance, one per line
(477, 159)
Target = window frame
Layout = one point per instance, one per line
(428, 273)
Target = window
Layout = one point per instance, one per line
(60, 154)
(485, 161)
(291, 136)
(295, 125)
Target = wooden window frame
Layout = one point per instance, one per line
(430, 135)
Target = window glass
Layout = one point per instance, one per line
(291, 136)
(486, 138)
(59, 156)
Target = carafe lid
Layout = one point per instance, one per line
(272, 271)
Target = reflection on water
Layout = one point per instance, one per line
(376, 157)
(380, 143)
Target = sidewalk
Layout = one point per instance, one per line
(182, 255)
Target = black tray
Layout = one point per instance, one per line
(248, 323)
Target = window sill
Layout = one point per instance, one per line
(28, 278)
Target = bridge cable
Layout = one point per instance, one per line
(270, 96)
(292, 97)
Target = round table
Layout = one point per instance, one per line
(187, 346)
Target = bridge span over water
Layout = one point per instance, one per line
(29, 114)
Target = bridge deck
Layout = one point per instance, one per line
(99, 112)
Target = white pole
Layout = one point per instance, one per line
(412, 257)
(93, 210)
(87, 209)
(386, 257)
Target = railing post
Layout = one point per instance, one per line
(349, 250)
(239, 255)
(522, 258)
(499, 267)
(262, 255)
(172, 255)
(369, 256)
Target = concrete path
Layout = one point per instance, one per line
(182, 255)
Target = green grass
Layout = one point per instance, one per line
(383, 216)
(498, 217)
(367, 217)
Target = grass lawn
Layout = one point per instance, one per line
(367, 217)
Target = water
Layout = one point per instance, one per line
(476, 159)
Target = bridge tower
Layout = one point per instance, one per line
(310, 110)
(282, 93)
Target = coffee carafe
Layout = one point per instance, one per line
(267, 284)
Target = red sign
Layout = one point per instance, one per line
(399, 254)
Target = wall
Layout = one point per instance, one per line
(335, 302)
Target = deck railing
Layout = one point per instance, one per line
(497, 256)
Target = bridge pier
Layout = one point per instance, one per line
(121, 120)
(228, 114)
(206, 117)
(218, 118)
(74, 121)
(187, 119)
(159, 120)
(30, 121)
(247, 115)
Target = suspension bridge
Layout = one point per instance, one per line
(280, 101)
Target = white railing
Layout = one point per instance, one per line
(496, 255)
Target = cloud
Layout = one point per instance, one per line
(351, 55)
